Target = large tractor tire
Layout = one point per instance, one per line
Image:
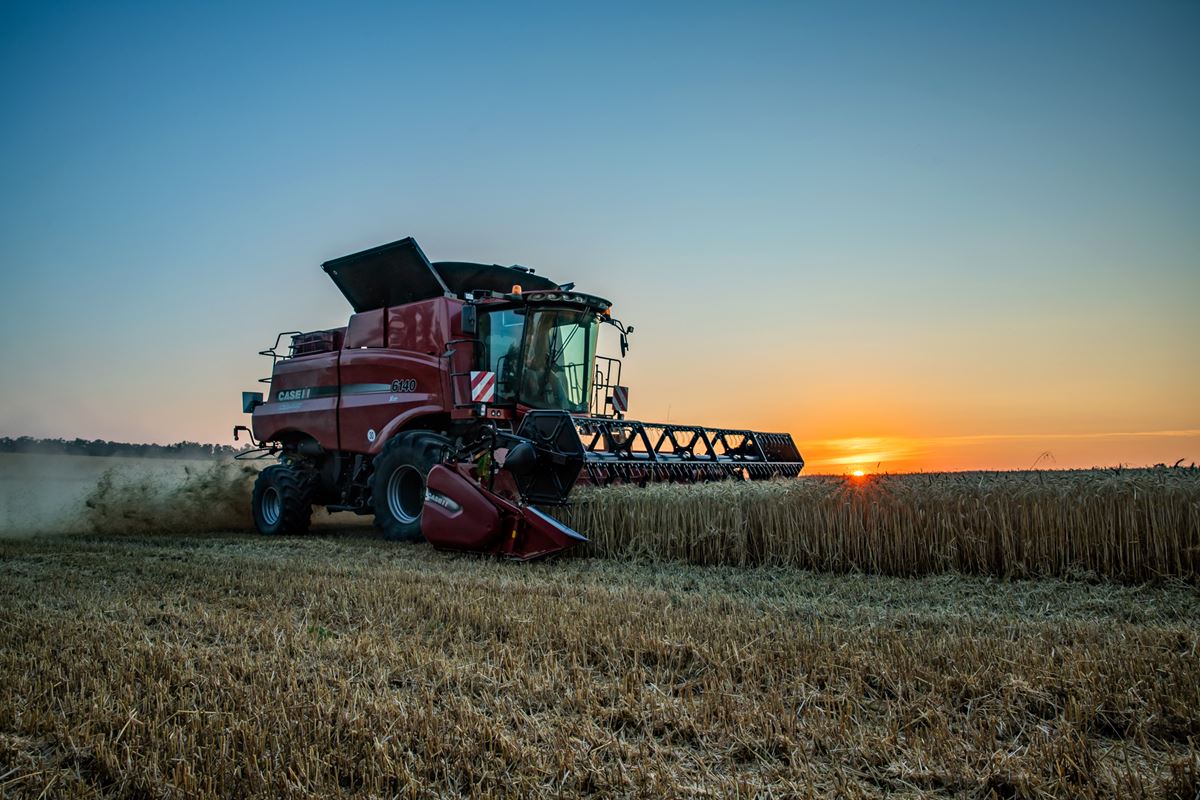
(282, 500)
(398, 484)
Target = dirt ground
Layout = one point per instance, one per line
(233, 665)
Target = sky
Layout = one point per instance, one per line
(916, 236)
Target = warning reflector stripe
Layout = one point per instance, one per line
(483, 387)
(620, 399)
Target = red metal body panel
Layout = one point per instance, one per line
(465, 519)
(303, 400)
(367, 329)
(460, 514)
(384, 389)
(422, 327)
(390, 372)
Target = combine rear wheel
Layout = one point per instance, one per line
(282, 500)
(398, 486)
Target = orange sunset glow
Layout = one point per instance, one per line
(860, 456)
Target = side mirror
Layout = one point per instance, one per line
(470, 319)
(624, 345)
(251, 401)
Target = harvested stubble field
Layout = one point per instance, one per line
(142, 666)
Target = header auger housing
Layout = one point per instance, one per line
(458, 399)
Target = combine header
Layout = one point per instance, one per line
(460, 398)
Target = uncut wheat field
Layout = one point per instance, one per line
(1120, 524)
(1130, 525)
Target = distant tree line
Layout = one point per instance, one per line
(103, 447)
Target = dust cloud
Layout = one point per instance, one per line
(52, 494)
(208, 497)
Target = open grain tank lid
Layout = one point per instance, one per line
(398, 273)
(388, 275)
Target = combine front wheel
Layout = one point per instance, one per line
(282, 500)
(398, 486)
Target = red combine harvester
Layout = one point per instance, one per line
(460, 398)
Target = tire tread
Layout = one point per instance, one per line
(296, 488)
(422, 449)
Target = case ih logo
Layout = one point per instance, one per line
(294, 394)
(483, 387)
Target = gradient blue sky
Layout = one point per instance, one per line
(944, 234)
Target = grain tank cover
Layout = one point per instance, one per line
(463, 276)
(388, 275)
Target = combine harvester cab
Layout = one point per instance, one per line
(458, 401)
